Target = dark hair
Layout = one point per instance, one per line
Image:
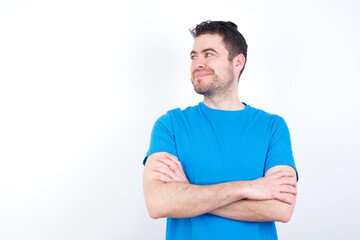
(234, 41)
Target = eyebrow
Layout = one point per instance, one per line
(205, 50)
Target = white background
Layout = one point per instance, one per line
(82, 82)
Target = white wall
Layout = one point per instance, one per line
(82, 82)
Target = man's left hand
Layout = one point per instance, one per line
(171, 171)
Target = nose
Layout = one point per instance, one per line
(198, 63)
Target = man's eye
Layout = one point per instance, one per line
(193, 57)
(208, 54)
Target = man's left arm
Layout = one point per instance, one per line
(260, 211)
(279, 157)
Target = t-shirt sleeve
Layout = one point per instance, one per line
(280, 151)
(162, 137)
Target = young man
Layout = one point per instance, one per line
(221, 169)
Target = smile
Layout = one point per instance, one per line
(201, 74)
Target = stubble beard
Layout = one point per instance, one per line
(217, 86)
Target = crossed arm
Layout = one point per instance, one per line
(168, 193)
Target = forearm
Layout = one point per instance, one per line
(256, 211)
(264, 210)
(183, 200)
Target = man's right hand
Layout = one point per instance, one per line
(274, 186)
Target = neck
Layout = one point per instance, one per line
(224, 102)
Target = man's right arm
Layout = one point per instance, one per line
(180, 199)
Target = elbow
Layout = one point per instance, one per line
(160, 211)
(154, 213)
(155, 210)
(284, 218)
(285, 213)
(285, 210)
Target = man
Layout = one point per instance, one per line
(221, 169)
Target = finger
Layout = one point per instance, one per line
(163, 178)
(164, 170)
(288, 189)
(168, 155)
(288, 181)
(168, 163)
(170, 175)
(282, 173)
(179, 174)
(285, 199)
(174, 159)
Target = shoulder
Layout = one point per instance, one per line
(168, 115)
(178, 112)
(174, 115)
(265, 116)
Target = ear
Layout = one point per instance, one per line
(239, 62)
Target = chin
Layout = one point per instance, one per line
(200, 88)
(201, 91)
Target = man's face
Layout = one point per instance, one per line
(211, 71)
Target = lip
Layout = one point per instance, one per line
(201, 74)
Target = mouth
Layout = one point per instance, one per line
(201, 74)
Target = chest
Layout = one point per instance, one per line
(220, 153)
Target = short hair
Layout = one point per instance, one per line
(234, 41)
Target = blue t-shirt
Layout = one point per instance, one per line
(216, 146)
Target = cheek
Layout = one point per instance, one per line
(192, 68)
(213, 65)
